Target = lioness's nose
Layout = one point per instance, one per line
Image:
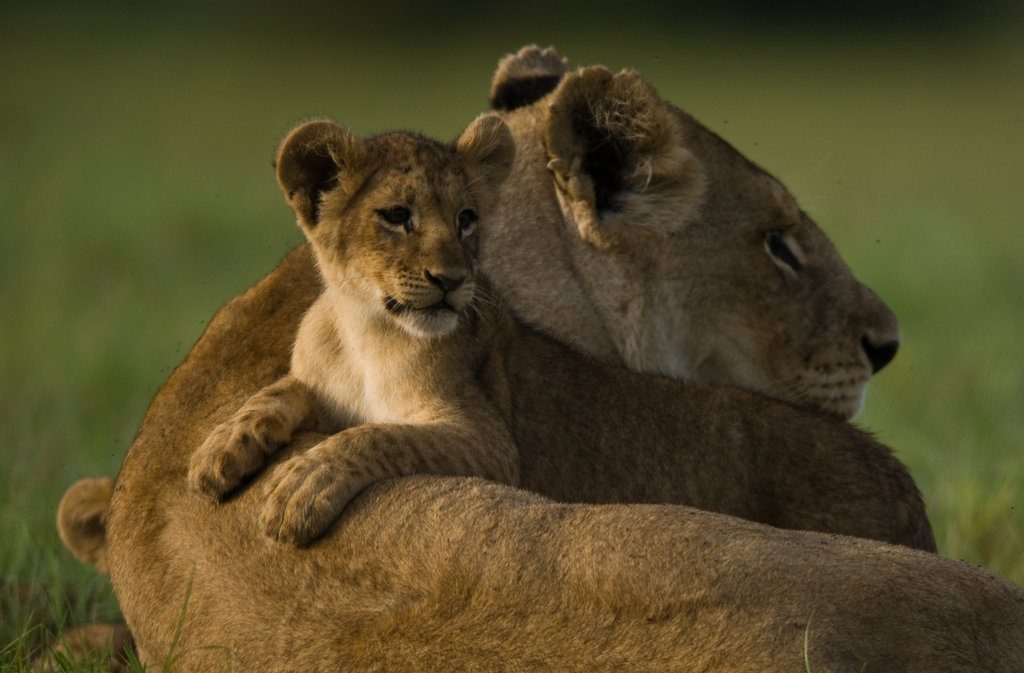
(879, 355)
(447, 281)
(879, 330)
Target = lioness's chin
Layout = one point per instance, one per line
(845, 406)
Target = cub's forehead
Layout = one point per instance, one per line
(409, 167)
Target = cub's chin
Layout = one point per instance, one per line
(427, 323)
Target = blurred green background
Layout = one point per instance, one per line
(136, 196)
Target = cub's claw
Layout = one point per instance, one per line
(305, 495)
(214, 468)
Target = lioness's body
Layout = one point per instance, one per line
(450, 574)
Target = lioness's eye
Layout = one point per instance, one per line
(780, 251)
(467, 220)
(396, 215)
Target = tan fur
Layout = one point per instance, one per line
(430, 573)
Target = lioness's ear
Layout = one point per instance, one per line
(311, 161)
(82, 520)
(489, 151)
(618, 155)
(523, 78)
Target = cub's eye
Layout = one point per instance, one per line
(779, 249)
(467, 221)
(397, 216)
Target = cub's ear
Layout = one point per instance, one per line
(617, 152)
(488, 150)
(526, 76)
(82, 520)
(311, 161)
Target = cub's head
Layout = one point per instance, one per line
(393, 219)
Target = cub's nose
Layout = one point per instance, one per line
(447, 281)
(879, 355)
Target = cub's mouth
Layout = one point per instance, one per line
(430, 321)
(395, 307)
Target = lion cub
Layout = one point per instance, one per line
(393, 355)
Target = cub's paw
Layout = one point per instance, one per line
(234, 450)
(305, 495)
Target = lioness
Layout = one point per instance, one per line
(451, 574)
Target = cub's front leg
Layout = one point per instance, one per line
(308, 492)
(241, 445)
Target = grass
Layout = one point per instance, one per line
(137, 196)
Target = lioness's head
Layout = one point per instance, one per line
(655, 244)
(393, 219)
